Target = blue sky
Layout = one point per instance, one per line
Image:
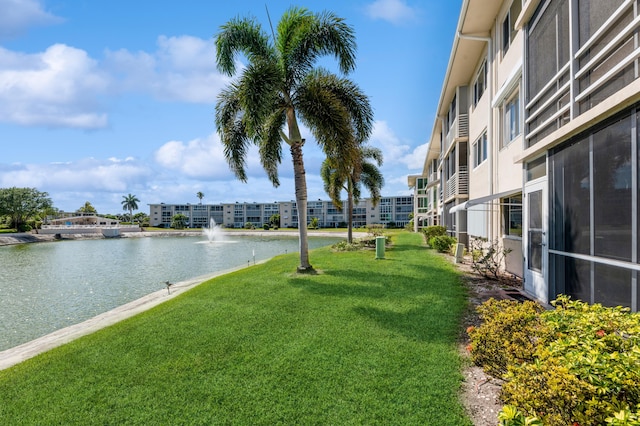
(102, 98)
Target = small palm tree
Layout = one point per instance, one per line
(338, 175)
(130, 203)
(281, 85)
(87, 208)
(200, 196)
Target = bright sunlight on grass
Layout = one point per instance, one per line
(364, 342)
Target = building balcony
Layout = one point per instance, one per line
(457, 185)
(459, 130)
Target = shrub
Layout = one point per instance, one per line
(508, 335)
(487, 257)
(265, 227)
(576, 364)
(345, 246)
(511, 416)
(442, 243)
(433, 231)
(249, 225)
(24, 227)
(375, 230)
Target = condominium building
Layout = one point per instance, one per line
(535, 143)
(390, 211)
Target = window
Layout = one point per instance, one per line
(506, 34)
(480, 84)
(512, 216)
(480, 150)
(511, 117)
(451, 164)
(451, 115)
(508, 25)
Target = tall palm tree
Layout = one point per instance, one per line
(130, 202)
(281, 85)
(200, 196)
(338, 175)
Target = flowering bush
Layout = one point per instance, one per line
(576, 364)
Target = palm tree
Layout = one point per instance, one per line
(338, 175)
(200, 196)
(130, 203)
(87, 208)
(280, 85)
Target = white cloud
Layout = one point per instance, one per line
(55, 88)
(415, 159)
(384, 138)
(112, 175)
(394, 11)
(16, 16)
(62, 86)
(203, 159)
(200, 158)
(181, 69)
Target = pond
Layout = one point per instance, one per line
(48, 286)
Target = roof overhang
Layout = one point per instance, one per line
(477, 18)
(482, 200)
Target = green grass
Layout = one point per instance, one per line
(364, 342)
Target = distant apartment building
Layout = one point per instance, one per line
(536, 143)
(390, 211)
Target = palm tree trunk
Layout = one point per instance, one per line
(301, 203)
(350, 213)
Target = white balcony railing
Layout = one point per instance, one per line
(458, 184)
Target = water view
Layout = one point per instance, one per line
(48, 286)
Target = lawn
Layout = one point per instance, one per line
(363, 342)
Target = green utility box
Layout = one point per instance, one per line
(380, 242)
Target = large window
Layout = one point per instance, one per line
(480, 150)
(511, 119)
(480, 84)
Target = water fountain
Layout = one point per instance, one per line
(213, 233)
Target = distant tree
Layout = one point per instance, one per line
(87, 208)
(130, 203)
(282, 84)
(142, 218)
(179, 221)
(274, 220)
(338, 175)
(313, 223)
(200, 196)
(22, 204)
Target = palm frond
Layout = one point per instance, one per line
(373, 181)
(258, 93)
(241, 35)
(333, 182)
(232, 131)
(372, 153)
(271, 145)
(326, 115)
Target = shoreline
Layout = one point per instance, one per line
(27, 237)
